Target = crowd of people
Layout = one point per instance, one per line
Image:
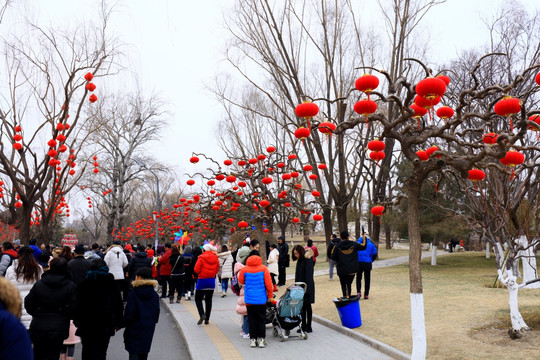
(59, 289)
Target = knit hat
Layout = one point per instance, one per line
(17, 242)
(208, 247)
(242, 254)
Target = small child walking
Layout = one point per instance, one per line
(141, 315)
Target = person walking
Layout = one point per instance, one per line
(14, 340)
(225, 268)
(365, 260)
(78, 266)
(97, 291)
(304, 273)
(207, 267)
(189, 264)
(273, 259)
(8, 255)
(284, 260)
(313, 248)
(165, 269)
(140, 260)
(177, 274)
(241, 308)
(346, 257)
(141, 315)
(51, 302)
(24, 273)
(331, 262)
(258, 292)
(117, 261)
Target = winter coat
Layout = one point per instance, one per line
(37, 251)
(257, 281)
(24, 287)
(367, 255)
(165, 266)
(179, 268)
(241, 308)
(345, 254)
(78, 267)
(189, 264)
(333, 243)
(99, 307)
(207, 267)
(315, 252)
(304, 273)
(51, 302)
(139, 261)
(225, 265)
(116, 260)
(273, 262)
(14, 340)
(6, 260)
(141, 316)
(283, 254)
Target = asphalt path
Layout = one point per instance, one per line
(168, 342)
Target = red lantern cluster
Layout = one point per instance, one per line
(430, 88)
(490, 138)
(96, 170)
(377, 150)
(90, 87)
(17, 138)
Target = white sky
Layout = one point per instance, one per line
(177, 46)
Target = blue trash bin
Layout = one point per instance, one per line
(349, 311)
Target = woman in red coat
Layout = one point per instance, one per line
(207, 267)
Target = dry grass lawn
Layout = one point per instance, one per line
(465, 317)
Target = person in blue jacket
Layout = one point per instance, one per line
(365, 260)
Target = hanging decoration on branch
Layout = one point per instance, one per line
(365, 107)
(476, 175)
(507, 107)
(418, 113)
(366, 83)
(513, 159)
(377, 211)
(307, 110)
(327, 128)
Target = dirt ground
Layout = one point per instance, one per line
(465, 317)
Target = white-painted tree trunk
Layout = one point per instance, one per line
(434, 255)
(487, 250)
(528, 259)
(418, 325)
(508, 278)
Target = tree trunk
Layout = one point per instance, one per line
(528, 259)
(434, 255)
(388, 235)
(487, 250)
(327, 222)
(415, 273)
(341, 213)
(23, 221)
(509, 280)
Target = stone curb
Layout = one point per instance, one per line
(179, 327)
(376, 344)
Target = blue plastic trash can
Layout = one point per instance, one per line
(349, 311)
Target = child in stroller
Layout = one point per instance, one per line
(285, 316)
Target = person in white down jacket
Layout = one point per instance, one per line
(116, 261)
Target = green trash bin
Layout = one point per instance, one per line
(349, 311)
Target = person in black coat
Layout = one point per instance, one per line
(178, 271)
(98, 291)
(346, 257)
(141, 315)
(78, 266)
(140, 260)
(304, 273)
(51, 302)
(283, 261)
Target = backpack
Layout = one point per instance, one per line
(235, 286)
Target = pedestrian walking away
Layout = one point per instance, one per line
(225, 268)
(8, 255)
(345, 254)
(365, 260)
(273, 267)
(241, 308)
(207, 267)
(284, 260)
(140, 260)
(165, 270)
(177, 274)
(331, 262)
(117, 261)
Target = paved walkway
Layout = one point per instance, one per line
(221, 338)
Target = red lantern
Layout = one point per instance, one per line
(317, 217)
(266, 180)
(418, 111)
(292, 157)
(90, 86)
(294, 174)
(243, 224)
(535, 119)
(231, 179)
(286, 176)
(377, 155)
(190, 182)
(261, 157)
(96, 171)
(308, 167)
(17, 146)
(377, 210)
(60, 137)
(270, 149)
(506, 107)
(306, 110)
(17, 137)
(327, 128)
(88, 76)
(242, 184)
(366, 83)
(513, 159)
(220, 177)
(537, 79)
(242, 163)
(431, 87)
(18, 204)
(252, 161)
(287, 205)
(322, 166)
(445, 112)
(227, 162)
(425, 103)
(295, 220)
(302, 133)
(92, 98)
(315, 193)
(313, 177)
(476, 175)
(490, 138)
(211, 183)
(431, 150)
(365, 107)
(444, 78)
(264, 203)
(376, 145)
(423, 155)
(18, 128)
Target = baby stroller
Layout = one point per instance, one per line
(285, 315)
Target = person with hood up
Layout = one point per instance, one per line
(117, 261)
(24, 273)
(15, 342)
(189, 264)
(304, 273)
(140, 260)
(225, 268)
(141, 315)
(258, 292)
(97, 291)
(207, 267)
(8, 255)
(51, 302)
(345, 255)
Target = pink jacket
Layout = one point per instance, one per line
(240, 305)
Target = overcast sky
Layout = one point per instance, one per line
(176, 48)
